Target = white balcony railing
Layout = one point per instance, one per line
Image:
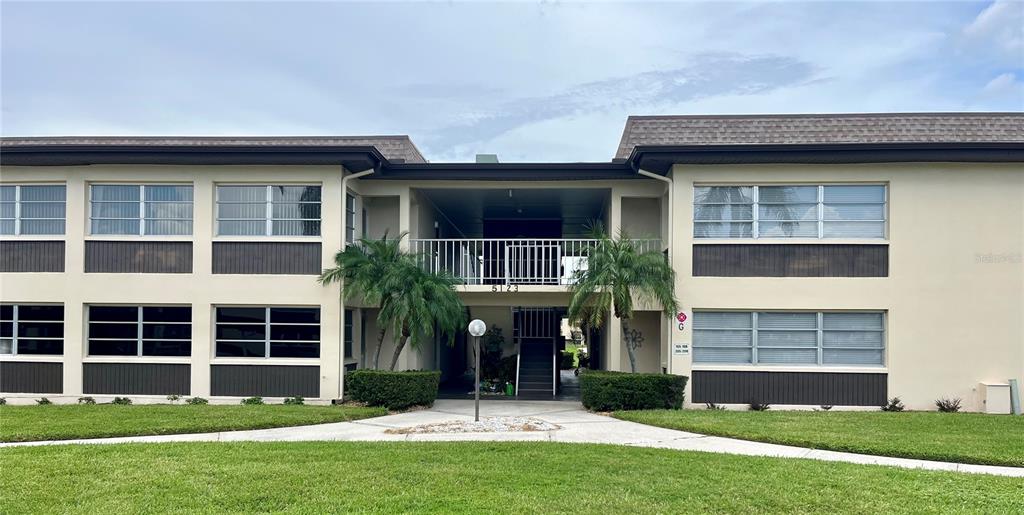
(509, 261)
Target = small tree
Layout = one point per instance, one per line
(411, 301)
(619, 270)
(426, 301)
(368, 269)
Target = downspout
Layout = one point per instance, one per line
(671, 234)
(344, 243)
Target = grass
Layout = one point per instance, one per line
(958, 437)
(469, 477)
(30, 423)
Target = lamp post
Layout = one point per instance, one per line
(477, 328)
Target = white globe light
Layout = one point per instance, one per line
(477, 327)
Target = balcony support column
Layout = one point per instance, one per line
(614, 325)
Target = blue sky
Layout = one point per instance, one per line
(546, 81)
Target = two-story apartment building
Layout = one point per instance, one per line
(820, 259)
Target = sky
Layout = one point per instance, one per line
(529, 81)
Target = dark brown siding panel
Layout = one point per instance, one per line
(31, 256)
(265, 380)
(31, 377)
(136, 378)
(272, 257)
(138, 257)
(808, 388)
(790, 260)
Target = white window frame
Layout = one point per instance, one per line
(142, 209)
(17, 209)
(820, 343)
(820, 219)
(139, 338)
(14, 330)
(268, 216)
(350, 217)
(266, 331)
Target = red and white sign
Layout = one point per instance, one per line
(681, 319)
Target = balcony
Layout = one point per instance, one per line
(522, 261)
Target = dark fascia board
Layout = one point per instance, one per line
(356, 158)
(660, 158)
(505, 172)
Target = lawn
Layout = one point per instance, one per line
(959, 437)
(61, 422)
(469, 477)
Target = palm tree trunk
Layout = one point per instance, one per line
(629, 348)
(399, 345)
(380, 343)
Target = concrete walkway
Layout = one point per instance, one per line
(576, 425)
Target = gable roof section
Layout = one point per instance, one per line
(820, 129)
(393, 148)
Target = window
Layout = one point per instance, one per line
(28, 209)
(350, 218)
(348, 333)
(268, 210)
(140, 330)
(788, 338)
(164, 210)
(259, 332)
(823, 211)
(31, 329)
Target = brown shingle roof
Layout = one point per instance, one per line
(392, 147)
(786, 129)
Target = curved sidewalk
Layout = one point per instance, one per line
(576, 426)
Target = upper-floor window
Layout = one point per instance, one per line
(268, 210)
(141, 209)
(140, 330)
(31, 329)
(32, 209)
(350, 218)
(788, 338)
(822, 211)
(347, 333)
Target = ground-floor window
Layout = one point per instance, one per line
(789, 338)
(268, 332)
(31, 329)
(140, 330)
(349, 315)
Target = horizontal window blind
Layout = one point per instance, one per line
(812, 211)
(789, 338)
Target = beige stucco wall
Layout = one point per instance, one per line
(955, 291)
(202, 289)
(648, 326)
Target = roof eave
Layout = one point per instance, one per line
(660, 158)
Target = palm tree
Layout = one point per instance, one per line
(370, 269)
(426, 301)
(619, 271)
(412, 302)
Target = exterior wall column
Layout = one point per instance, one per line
(75, 335)
(614, 325)
(202, 271)
(332, 307)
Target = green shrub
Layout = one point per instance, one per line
(124, 401)
(948, 405)
(568, 360)
(295, 400)
(44, 402)
(894, 404)
(509, 364)
(172, 398)
(252, 401)
(393, 390)
(3, 401)
(197, 400)
(611, 391)
(758, 406)
(86, 400)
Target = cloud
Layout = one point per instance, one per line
(1006, 85)
(702, 76)
(999, 29)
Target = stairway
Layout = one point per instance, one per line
(536, 369)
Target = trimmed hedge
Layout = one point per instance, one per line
(614, 391)
(393, 390)
(568, 360)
